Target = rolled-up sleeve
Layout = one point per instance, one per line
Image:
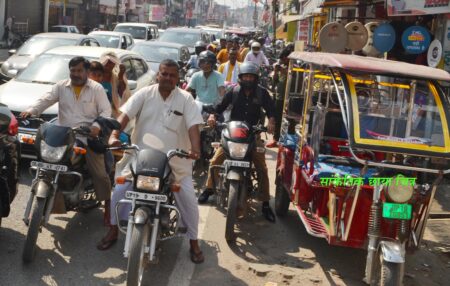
(47, 100)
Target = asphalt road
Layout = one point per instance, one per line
(281, 253)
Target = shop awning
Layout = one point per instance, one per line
(291, 18)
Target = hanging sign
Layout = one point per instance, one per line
(417, 7)
(384, 38)
(333, 37)
(357, 36)
(416, 40)
(434, 53)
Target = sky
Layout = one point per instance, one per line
(237, 3)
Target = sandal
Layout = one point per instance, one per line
(197, 258)
(105, 244)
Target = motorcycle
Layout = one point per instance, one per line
(153, 217)
(9, 160)
(238, 180)
(62, 182)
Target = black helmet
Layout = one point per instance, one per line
(200, 44)
(248, 68)
(207, 56)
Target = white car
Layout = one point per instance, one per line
(116, 40)
(52, 66)
(139, 31)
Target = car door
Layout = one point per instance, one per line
(130, 42)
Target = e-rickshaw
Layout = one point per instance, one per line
(358, 142)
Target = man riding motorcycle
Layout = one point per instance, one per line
(256, 56)
(199, 46)
(246, 100)
(81, 100)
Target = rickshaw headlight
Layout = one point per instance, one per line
(237, 150)
(147, 183)
(399, 193)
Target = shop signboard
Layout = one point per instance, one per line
(416, 40)
(446, 46)
(157, 13)
(303, 30)
(417, 7)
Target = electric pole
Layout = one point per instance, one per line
(274, 21)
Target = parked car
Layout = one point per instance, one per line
(185, 36)
(53, 66)
(139, 31)
(116, 40)
(64, 29)
(38, 44)
(155, 51)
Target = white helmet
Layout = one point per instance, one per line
(255, 44)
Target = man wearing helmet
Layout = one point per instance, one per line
(200, 46)
(207, 83)
(246, 101)
(256, 56)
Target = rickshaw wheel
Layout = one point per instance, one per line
(282, 200)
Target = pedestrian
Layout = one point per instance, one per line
(168, 115)
(8, 28)
(81, 100)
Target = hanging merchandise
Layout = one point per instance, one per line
(384, 37)
(416, 40)
(333, 37)
(434, 53)
(369, 49)
(357, 36)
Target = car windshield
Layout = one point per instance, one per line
(156, 53)
(107, 40)
(38, 45)
(136, 32)
(47, 69)
(181, 37)
(58, 29)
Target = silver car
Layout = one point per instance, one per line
(116, 40)
(53, 66)
(38, 44)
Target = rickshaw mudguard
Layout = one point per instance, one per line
(234, 175)
(392, 251)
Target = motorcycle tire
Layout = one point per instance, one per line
(282, 200)
(135, 268)
(391, 273)
(37, 214)
(233, 193)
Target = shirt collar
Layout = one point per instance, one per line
(87, 84)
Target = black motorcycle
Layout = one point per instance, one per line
(9, 160)
(62, 182)
(238, 180)
(153, 217)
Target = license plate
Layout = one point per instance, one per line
(47, 166)
(146, 197)
(241, 164)
(22, 136)
(397, 211)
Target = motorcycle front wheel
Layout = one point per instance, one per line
(37, 214)
(139, 239)
(233, 193)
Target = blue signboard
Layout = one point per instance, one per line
(416, 40)
(384, 37)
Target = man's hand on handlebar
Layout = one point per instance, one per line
(212, 120)
(26, 114)
(194, 155)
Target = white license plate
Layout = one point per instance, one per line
(146, 197)
(47, 166)
(241, 164)
(22, 136)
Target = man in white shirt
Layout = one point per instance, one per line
(166, 118)
(256, 56)
(81, 100)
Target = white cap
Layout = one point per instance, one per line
(255, 44)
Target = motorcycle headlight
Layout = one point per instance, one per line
(147, 183)
(399, 192)
(237, 150)
(52, 154)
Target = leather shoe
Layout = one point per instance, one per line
(203, 198)
(268, 213)
(272, 144)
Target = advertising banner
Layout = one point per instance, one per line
(157, 13)
(416, 40)
(303, 30)
(417, 7)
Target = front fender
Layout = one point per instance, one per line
(141, 216)
(393, 251)
(42, 189)
(234, 175)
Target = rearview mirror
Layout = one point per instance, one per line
(132, 84)
(12, 52)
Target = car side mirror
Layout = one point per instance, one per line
(12, 52)
(132, 84)
(149, 35)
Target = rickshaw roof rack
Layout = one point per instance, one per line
(371, 65)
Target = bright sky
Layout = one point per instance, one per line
(237, 3)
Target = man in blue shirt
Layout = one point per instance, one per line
(209, 85)
(200, 46)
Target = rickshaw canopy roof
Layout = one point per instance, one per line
(371, 65)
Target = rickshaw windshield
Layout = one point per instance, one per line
(398, 112)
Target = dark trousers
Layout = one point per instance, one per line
(279, 104)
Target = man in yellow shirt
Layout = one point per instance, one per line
(222, 56)
(230, 69)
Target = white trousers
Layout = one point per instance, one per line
(185, 200)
